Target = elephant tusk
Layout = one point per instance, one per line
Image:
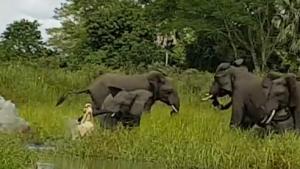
(271, 117)
(174, 108)
(207, 98)
(113, 115)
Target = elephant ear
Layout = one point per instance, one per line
(153, 88)
(267, 81)
(114, 90)
(156, 79)
(139, 102)
(292, 87)
(226, 78)
(223, 66)
(238, 62)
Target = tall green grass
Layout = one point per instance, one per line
(198, 137)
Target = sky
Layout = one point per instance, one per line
(41, 10)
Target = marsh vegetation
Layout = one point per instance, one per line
(199, 137)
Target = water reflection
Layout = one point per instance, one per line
(77, 163)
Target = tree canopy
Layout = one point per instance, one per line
(195, 34)
(22, 39)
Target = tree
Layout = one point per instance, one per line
(254, 31)
(244, 25)
(286, 22)
(23, 40)
(115, 33)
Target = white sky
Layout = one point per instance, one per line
(41, 10)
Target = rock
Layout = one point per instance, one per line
(10, 122)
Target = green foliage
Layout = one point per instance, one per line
(22, 40)
(113, 33)
(233, 29)
(122, 34)
(287, 23)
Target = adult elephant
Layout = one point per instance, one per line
(283, 92)
(154, 81)
(246, 92)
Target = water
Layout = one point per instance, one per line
(35, 147)
(94, 163)
(67, 162)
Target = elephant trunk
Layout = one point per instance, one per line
(215, 91)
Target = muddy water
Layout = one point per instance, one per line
(92, 163)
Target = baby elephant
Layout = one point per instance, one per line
(123, 106)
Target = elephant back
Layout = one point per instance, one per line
(141, 99)
(126, 82)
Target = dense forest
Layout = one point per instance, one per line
(178, 33)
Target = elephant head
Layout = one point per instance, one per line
(163, 90)
(223, 77)
(222, 84)
(282, 93)
(168, 95)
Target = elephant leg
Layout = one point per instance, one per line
(296, 117)
(132, 121)
(136, 121)
(148, 105)
(98, 96)
(237, 114)
(247, 123)
(108, 122)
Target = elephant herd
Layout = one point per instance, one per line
(271, 101)
(123, 98)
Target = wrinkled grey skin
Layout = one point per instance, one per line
(154, 81)
(247, 93)
(283, 91)
(125, 107)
